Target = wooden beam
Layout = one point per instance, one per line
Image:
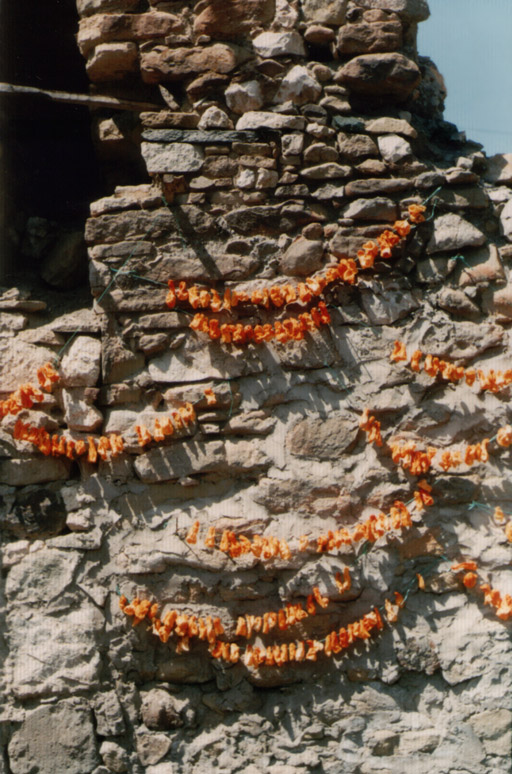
(87, 100)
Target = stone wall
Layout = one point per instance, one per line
(285, 136)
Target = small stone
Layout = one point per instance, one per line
(214, 118)
(158, 710)
(377, 208)
(320, 152)
(329, 170)
(80, 365)
(372, 167)
(175, 64)
(270, 44)
(380, 75)
(457, 302)
(112, 61)
(322, 439)
(292, 144)
(481, 266)
(393, 148)
(457, 176)
(245, 96)
(313, 231)
(451, 232)
(325, 11)
(506, 220)
(502, 302)
(245, 179)
(88, 7)
(115, 757)
(499, 169)
(79, 414)
(387, 125)
(266, 178)
(303, 257)
(356, 146)
(319, 35)
(151, 748)
(299, 86)
(370, 37)
(494, 729)
(166, 767)
(172, 157)
(256, 119)
(384, 742)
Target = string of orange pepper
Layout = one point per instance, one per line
(186, 626)
(371, 426)
(492, 380)
(501, 603)
(59, 445)
(269, 547)
(291, 328)
(282, 295)
(163, 427)
(26, 394)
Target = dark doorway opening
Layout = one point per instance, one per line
(49, 166)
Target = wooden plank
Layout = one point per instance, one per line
(87, 100)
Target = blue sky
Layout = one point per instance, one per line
(471, 43)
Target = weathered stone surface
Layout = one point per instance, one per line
(56, 655)
(38, 470)
(80, 366)
(242, 17)
(409, 10)
(172, 157)
(393, 148)
(499, 169)
(270, 44)
(323, 439)
(324, 11)
(214, 118)
(255, 119)
(19, 362)
(377, 208)
(193, 457)
(299, 86)
(451, 232)
(302, 258)
(112, 61)
(380, 75)
(151, 748)
(55, 739)
(79, 414)
(385, 303)
(172, 64)
(370, 37)
(494, 729)
(245, 96)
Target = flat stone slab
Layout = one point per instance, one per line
(198, 136)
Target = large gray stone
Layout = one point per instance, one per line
(171, 157)
(56, 655)
(303, 257)
(451, 232)
(55, 739)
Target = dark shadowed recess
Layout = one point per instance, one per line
(49, 168)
